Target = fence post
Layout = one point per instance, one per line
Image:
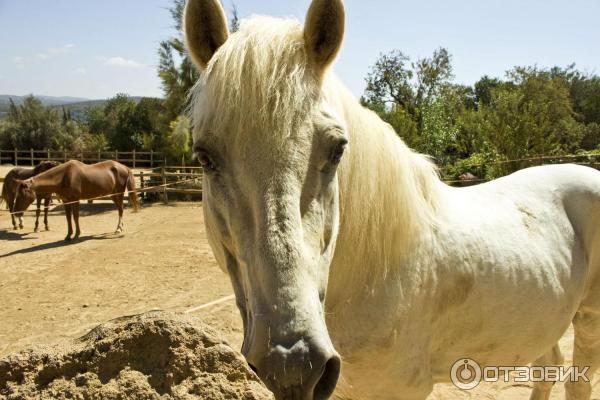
(31, 156)
(151, 158)
(164, 181)
(142, 193)
(65, 155)
(133, 158)
(16, 158)
(98, 160)
(117, 155)
(48, 154)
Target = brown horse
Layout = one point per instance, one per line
(9, 191)
(74, 181)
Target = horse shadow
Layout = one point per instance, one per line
(12, 235)
(58, 243)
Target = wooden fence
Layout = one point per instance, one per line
(505, 167)
(179, 180)
(134, 159)
(158, 183)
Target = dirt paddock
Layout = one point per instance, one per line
(50, 290)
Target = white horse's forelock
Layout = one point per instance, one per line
(259, 87)
(258, 84)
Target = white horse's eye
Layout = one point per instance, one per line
(207, 163)
(338, 152)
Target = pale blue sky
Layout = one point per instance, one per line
(96, 48)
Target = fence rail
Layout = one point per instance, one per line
(478, 173)
(153, 182)
(134, 159)
(156, 182)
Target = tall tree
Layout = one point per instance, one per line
(398, 89)
(532, 115)
(394, 79)
(175, 68)
(31, 126)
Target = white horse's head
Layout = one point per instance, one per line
(270, 145)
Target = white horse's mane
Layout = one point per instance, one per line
(259, 87)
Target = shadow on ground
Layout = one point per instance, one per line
(59, 243)
(13, 235)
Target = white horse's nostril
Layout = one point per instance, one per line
(308, 370)
(329, 378)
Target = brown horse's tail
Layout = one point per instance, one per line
(4, 196)
(133, 196)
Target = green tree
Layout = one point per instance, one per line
(150, 122)
(483, 90)
(395, 80)
(390, 83)
(31, 125)
(129, 125)
(531, 116)
(95, 121)
(235, 19)
(121, 131)
(400, 90)
(175, 68)
(178, 142)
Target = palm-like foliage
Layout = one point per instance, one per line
(175, 69)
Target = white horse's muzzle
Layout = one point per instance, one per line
(306, 369)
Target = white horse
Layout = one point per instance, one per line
(340, 240)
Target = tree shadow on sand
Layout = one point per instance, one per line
(59, 243)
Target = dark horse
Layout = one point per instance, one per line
(74, 181)
(9, 191)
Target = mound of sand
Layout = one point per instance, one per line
(150, 356)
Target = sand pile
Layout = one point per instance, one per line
(150, 356)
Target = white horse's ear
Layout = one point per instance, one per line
(205, 28)
(324, 31)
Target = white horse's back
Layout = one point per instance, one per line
(522, 254)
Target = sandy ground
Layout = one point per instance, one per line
(50, 290)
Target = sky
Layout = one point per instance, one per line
(97, 48)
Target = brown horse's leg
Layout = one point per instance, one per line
(20, 217)
(68, 211)
(119, 202)
(76, 218)
(37, 215)
(11, 209)
(46, 207)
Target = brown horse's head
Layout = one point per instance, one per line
(45, 166)
(25, 195)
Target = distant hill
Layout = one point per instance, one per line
(46, 100)
(76, 105)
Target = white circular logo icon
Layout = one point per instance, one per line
(465, 374)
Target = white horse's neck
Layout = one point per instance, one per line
(388, 198)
